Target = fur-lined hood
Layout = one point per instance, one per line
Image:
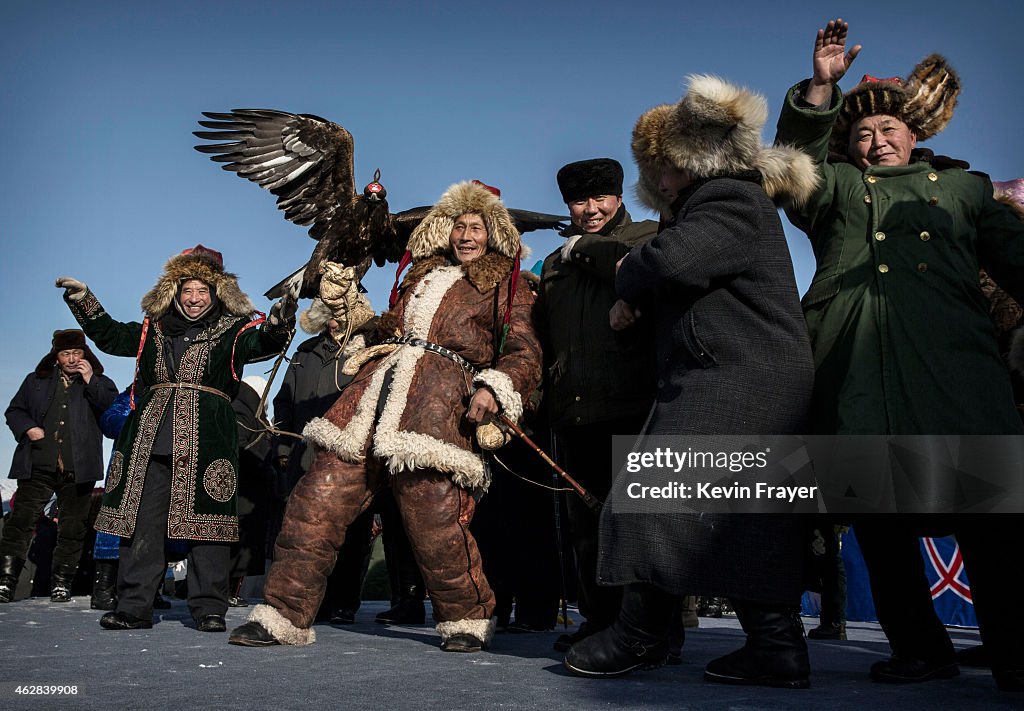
(432, 235)
(715, 130)
(196, 265)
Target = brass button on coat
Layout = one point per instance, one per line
(872, 179)
(922, 267)
(879, 236)
(933, 177)
(933, 200)
(884, 268)
(925, 236)
(867, 199)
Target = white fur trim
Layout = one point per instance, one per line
(426, 299)
(348, 443)
(483, 630)
(401, 449)
(280, 628)
(412, 450)
(504, 391)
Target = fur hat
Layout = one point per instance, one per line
(924, 101)
(63, 341)
(207, 266)
(585, 178)
(432, 235)
(715, 130)
(314, 319)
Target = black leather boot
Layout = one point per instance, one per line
(104, 586)
(637, 640)
(775, 653)
(409, 610)
(60, 582)
(10, 569)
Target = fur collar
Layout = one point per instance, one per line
(484, 273)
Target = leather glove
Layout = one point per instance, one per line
(74, 290)
(283, 312)
(567, 247)
(338, 288)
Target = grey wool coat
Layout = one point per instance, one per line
(733, 358)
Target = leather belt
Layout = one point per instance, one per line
(434, 348)
(190, 386)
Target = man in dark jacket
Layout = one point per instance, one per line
(899, 236)
(598, 382)
(55, 418)
(732, 358)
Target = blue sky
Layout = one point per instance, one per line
(99, 100)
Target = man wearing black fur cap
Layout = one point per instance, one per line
(174, 471)
(55, 418)
(599, 382)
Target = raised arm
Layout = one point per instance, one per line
(830, 61)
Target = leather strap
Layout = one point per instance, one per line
(433, 348)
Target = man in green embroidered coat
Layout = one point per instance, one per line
(174, 471)
(899, 326)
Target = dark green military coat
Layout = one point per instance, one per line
(902, 340)
(204, 459)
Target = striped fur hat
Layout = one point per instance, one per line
(924, 101)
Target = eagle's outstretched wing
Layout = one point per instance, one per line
(305, 160)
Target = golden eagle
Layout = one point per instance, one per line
(306, 161)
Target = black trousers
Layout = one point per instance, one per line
(995, 570)
(586, 454)
(73, 501)
(143, 563)
(825, 570)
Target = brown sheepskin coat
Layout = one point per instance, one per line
(422, 419)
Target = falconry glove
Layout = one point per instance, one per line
(74, 290)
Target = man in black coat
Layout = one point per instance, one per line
(55, 418)
(733, 358)
(598, 382)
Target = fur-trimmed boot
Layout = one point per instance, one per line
(466, 635)
(775, 653)
(10, 569)
(60, 582)
(267, 627)
(104, 586)
(639, 639)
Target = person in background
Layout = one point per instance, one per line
(598, 382)
(55, 418)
